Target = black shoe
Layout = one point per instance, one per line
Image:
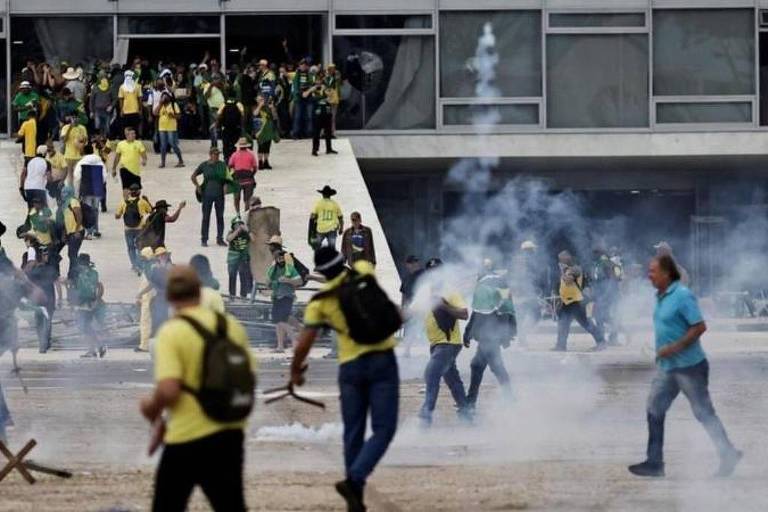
(204, 243)
(352, 495)
(139, 349)
(331, 152)
(221, 243)
(728, 463)
(97, 234)
(650, 469)
(267, 165)
(314, 153)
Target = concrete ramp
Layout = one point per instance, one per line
(290, 186)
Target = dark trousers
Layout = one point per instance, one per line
(369, 384)
(74, 242)
(302, 118)
(694, 383)
(208, 203)
(42, 324)
(243, 269)
(442, 365)
(322, 122)
(228, 141)
(131, 239)
(488, 354)
(567, 314)
(215, 463)
(35, 194)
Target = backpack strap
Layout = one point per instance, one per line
(209, 338)
(351, 274)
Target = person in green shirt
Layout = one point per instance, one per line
(25, 101)
(211, 193)
(492, 325)
(321, 115)
(238, 258)
(283, 280)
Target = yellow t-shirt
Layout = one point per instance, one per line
(131, 100)
(570, 292)
(70, 223)
(130, 155)
(211, 299)
(178, 355)
(326, 312)
(76, 137)
(435, 334)
(28, 130)
(144, 210)
(165, 122)
(58, 163)
(328, 213)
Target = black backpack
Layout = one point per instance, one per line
(132, 216)
(227, 386)
(371, 316)
(231, 119)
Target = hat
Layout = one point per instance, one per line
(412, 259)
(242, 142)
(528, 245)
(25, 85)
(162, 204)
(128, 72)
(434, 263)
(42, 149)
(263, 62)
(147, 253)
(203, 66)
(327, 258)
(165, 72)
(327, 191)
(70, 74)
(161, 250)
(275, 240)
(135, 186)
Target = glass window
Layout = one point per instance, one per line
(388, 82)
(262, 36)
(518, 44)
(597, 80)
(383, 21)
(703, 52)
(168, 25)
(629, 19)
(479, 115)
(704, 112)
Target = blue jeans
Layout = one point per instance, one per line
(101, 122)
(302, 119)
(694, 383)
(131, 237)
(488, 355)
(442, 365)
(369, 383)
(575, 311)
(5, 414)
(169, 140)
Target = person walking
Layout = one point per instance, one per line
(238, 258)
(369, 382)
(444, 335)
(130, 157)
(191, 435)
(69, 217)
(90, 180)
(357, 242)
(283, 280)
(412, 331)
(87, 294)
(244, 167)
(27, 134)
(214, 173)
(144, 300)
(35, 177)
(572, 282)
(75, 137)
(321, 115)
(605, 287)
(492, 326)
(265, 128)
(129, 99)
(101, 103)
(326, 220)
(682, 366)
(302, 105)
(153, 233)
(134, 210)
(168, 114)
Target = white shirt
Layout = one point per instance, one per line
(37, 170)
(77, 175)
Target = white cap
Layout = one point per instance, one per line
(527, 245)
(42, 149)
(25, 84)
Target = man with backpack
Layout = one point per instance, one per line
(283, 281)
(69, 222)
(365, 319)
(86, 295)
(230, 119)
(204, 439)
(572, 284)
(133, 210)
(153, 233)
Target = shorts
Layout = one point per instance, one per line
(282, 309)
(127, 178)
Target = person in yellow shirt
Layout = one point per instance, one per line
(326, 221)
(129, 97)
(28, 131)
(58, 169)
(75, 137)
(191, 436)
(134, 211)
(444, 335)
(572, 283)
(70, 215)
(368, 378)
(168, 113)
(130, 156)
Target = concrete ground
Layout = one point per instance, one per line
(563, 445)
(291, 186)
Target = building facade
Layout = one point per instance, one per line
(640, 105)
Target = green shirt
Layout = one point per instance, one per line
(24, 102)
(282, 290)
(238, 249)
(214, 178)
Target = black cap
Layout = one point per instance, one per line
(162, 204)
(84, 259)
(327, 258)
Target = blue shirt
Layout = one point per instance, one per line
(677, 310)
